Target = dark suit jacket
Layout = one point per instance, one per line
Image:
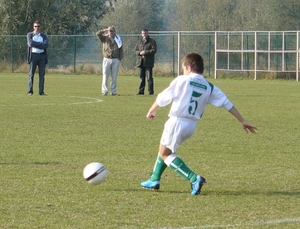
(40, 45)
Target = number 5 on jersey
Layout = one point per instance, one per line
(194, 104)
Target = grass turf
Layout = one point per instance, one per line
(252, 180)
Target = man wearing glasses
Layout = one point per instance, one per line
(112, 55)
(37, 56)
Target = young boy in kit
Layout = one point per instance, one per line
(189, 95)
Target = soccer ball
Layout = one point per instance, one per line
(94, 173)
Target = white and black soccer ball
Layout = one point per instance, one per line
(94, 173)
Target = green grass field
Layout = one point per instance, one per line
(252, 179)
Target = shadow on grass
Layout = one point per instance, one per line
(152, 191)
(221, 193)
(243, 193)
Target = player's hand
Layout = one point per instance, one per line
(249, 127)
(151, 115)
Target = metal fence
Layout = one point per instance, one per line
(258, 53)
(254, 55)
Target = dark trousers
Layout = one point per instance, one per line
(143, 73)
(40, 61)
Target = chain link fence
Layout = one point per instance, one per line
(252, 55)
(76, 54)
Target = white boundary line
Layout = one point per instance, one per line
(253, 224)
(249, 224)
(91, 100)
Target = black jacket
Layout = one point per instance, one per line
(150, 49)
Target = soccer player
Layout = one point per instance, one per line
(189, 95)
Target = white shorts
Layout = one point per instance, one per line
(176, 131)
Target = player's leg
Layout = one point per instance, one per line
(175, 133)
(159, 166)
(177, 164)
(158, 169)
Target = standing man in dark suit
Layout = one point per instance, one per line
(37, 56)
(145, 50)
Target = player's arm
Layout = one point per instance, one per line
(246, 126)
(152, 111)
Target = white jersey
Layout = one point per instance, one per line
(189, 95)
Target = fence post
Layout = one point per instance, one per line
(173, 55)
(209, 44)
(255, 55)
(297, 57)
(216, 54)
(74, 59)
(12, 54)
(178, 58)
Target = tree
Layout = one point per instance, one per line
(233, 15)
(56, 17)
(287, 14)
(130, 17)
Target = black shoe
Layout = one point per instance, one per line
(140, 93)
(43, 94)
(151, 93)
(29, 93)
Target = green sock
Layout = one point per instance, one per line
(158, 169)
(181, 168)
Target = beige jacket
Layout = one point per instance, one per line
(110, 47)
